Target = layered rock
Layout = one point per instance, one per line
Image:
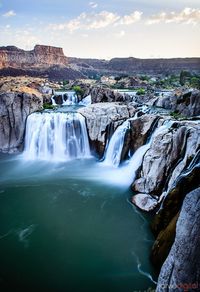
(102, 116)
(181, 270)
(14, 109)
(40, 56)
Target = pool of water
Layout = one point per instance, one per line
(69, 226)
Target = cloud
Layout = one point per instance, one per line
(10, 13)
(94, 21)
(93, 5)
(187, 15)
(131, 18)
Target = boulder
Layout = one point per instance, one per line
(144, 202)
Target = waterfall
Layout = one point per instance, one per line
(56, 136)
(71, 98)
(68, 97)
(115, 146)
(86, 101)
(126, 173)
(116, 143)
(130, 170)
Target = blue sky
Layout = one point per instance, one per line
(104, 29)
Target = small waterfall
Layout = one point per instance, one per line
(115, 146)
(67, 98)
(86, 101)
(72, 98)
(130, 170)
(56, 136)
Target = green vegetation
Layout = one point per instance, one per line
(48, 106)
(79, 91)
(141, 91)
(190, 80)
(176, 115)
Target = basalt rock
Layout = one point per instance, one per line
(140, 130)
(181, 270)
(186, 103)
(170, 152)
(101, 117)
(14, 109)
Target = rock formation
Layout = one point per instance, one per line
(181, 270)
(102, 116)
(14, 109)
(186, 103)
(42, 61)
(39, 57)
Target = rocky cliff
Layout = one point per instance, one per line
(131, 65)
(37, 62)
(14, 109)
(42, 61)
(39, 57)
(181, 270)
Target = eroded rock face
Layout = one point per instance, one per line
(140, 129)
(40, 56)
(182, 266)
(101, 116)
(187, 103)
(170, 152)
(102, 94)
(14, 109)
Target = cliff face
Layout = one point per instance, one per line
(14, 109)
(181, 270)
(40, 56)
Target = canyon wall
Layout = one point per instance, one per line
(39, 57)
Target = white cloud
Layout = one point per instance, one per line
(93, 4)
(131, 18)
(92, 21)
(10, 13)
(187, 15)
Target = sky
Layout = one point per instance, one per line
(103, 28)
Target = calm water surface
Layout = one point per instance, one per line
(69, 227)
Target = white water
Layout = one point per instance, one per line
(86, 101)
(68, 97)
(126, 174)
(56, 136)
(115, 146)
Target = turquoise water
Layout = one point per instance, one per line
(68, 227)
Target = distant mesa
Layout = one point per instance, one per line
(50, 62)
(41, 56)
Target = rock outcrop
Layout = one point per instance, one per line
(19, 97)
(170, 152)
(40, 57)
(186, 103)
(101, 117)
(42, 61)
(181, 270)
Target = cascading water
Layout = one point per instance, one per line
(125, 175)
(115, 146)
(56, 136)
(68, 97)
